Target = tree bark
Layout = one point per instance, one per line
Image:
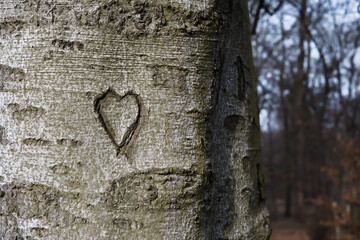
(129, 119)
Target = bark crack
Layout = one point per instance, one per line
(241, 67)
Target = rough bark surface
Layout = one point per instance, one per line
(128, 119)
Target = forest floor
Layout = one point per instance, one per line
(288, 229)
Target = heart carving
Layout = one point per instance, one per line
(119, 116)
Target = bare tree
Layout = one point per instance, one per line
(306, 61)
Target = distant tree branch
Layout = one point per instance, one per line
(267, 9)
(273, 11)
(257, 16)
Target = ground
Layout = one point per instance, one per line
(288, 229)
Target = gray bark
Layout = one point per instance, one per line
(128, 119)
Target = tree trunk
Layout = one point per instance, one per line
(300, 114)
(128, 119)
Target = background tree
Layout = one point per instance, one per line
(307, 60)
(129, 119)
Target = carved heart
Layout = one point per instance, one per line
(119, 115)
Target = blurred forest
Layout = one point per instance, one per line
(307, 64)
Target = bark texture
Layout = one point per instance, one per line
(128, 119)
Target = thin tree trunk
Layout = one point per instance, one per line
(288, 160)
(129, 120)
(300, 114)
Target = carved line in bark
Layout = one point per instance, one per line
(67, 45)
(242, 81)
(131, 130)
